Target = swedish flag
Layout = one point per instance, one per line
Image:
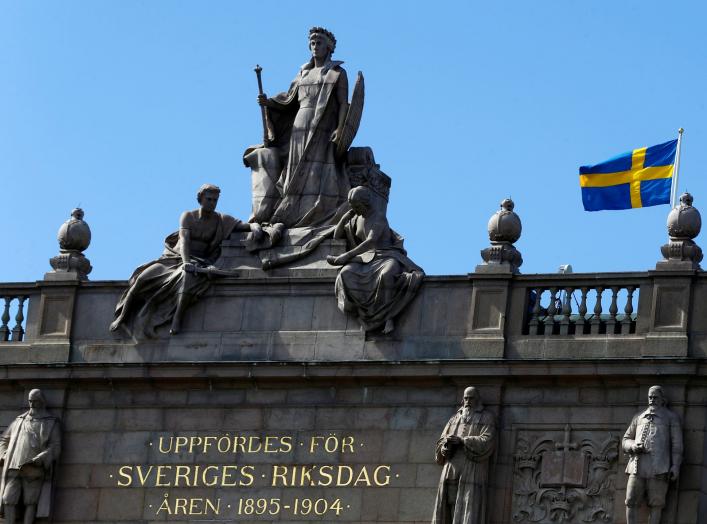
(640, 178)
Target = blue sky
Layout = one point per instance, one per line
(126, 107)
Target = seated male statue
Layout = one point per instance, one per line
(161, 290)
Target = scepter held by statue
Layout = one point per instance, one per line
(267, 133)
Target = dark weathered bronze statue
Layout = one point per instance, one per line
(377, 279)
(298, 174)
(29, 449)
(161, 290)
(653, 442)
(464, 450)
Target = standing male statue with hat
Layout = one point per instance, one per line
(654, 444)
(29, 447)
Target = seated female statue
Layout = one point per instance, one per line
(377, 279)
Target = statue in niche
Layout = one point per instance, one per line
(29, 449)
(301, 174)
(377, 279)
(160, 291)
(653, 442)
(464, 450)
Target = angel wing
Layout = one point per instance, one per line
(353, 117)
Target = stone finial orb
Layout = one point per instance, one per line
(74, 234)
(684, 221)
(504, 229)
(684, 224)
(74, 237)
(505, 225)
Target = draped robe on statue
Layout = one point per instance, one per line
(48, 439)
(378, 284)
(463, 486)
(296, 179)
(151, 298)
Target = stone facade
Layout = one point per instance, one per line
(275, 357)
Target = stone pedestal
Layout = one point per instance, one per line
(500, 257)
(680, 254)
(235, 256)
(69, 265)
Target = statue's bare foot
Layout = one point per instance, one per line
(389, 326)
(176, 328)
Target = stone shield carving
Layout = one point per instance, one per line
(564, 475)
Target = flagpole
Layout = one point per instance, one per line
(674, 187)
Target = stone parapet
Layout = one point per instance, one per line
(295, 318)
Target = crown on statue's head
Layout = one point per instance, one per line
(322, 31)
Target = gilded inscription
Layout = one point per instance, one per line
(245, 473)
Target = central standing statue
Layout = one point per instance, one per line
(299, 178)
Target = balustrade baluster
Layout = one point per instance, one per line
(535, 315)
(613, 310)
(549, 321)
(628, 310)
(18, 331)
(582, 319)
(595, 327)
(566, 312)
(4, 329)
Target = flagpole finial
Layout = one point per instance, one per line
(676, 170)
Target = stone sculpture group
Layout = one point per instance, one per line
(309, 185)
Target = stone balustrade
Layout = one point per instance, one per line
(14, 303)
(481, 315)
(579, 305)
